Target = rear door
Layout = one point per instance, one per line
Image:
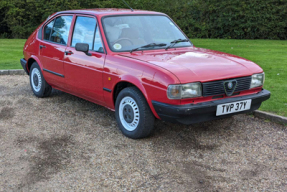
(83, 73)
(52, 49)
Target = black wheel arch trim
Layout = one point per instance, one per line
(24, 65)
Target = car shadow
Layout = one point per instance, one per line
(186, 135)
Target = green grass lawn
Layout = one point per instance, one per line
(271, 55)
(11, 51)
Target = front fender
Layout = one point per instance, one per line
(135, 81)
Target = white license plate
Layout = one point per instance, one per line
(233, 107)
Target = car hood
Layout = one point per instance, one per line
(197, 64)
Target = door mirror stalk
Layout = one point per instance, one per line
(83, 47)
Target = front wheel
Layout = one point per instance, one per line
(38, 84)
(133, 114)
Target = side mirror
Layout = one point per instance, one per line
(83, 47)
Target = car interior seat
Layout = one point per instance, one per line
(133, 35)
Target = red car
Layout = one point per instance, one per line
(140, 65)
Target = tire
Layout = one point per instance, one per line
(38, 84)
(133, 115)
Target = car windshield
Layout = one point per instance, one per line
(128, 32)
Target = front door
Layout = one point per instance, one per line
(83, 73)
(52, 49)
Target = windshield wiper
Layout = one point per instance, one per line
(175, 42)
(149, 45)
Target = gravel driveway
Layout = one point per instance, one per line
(66, 143)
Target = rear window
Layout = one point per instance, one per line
(48, 30)
(58, 30)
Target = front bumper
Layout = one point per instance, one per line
(24, 63)
(195, 113)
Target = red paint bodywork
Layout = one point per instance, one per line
(151, 70)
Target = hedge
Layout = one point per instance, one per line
(236, 19)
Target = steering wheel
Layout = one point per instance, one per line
(123, 39)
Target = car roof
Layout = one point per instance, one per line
(108, 11)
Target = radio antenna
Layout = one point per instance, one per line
(127, 5)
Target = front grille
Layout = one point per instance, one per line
(217, 87)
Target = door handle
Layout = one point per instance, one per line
(42, 46)
(68, 53)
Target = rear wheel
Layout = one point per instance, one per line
(38, 84)
(133, 114)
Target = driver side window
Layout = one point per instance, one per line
(98, 46)
(86, 31)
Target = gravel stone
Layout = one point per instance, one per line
(64, 143)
